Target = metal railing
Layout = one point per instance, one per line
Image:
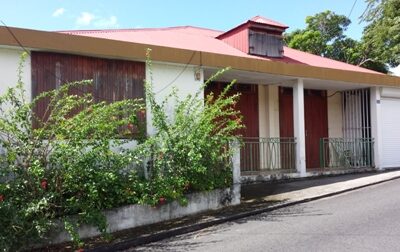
(263, 154)
(346, 153)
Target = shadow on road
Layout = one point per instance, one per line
(257, 191)
(193, 241)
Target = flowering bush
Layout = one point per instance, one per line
(71, 165)
(64, 165)
(190, 149)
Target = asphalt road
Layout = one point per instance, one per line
(364, 220)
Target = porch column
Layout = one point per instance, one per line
(298, 125)
(376, 125)
(236, 186)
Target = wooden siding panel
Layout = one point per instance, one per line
(112, 79)
(238, 39)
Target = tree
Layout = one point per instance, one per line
(307, 41)
(382, 34)
(324, 36)
(323, 31)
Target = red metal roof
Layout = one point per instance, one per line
(266, 21)
(201, 39)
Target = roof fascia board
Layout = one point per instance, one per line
(98, 47)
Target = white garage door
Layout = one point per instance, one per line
(390, 132)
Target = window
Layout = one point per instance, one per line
(264, 44)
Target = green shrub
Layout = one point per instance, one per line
(70, 166)
(64, 165)
(190, 149)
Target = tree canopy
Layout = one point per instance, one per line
(324, 36)
(323, 30)
(382, 34)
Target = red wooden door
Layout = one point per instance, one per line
(286, 112)
(316, 124)
(287, 151)
(248, 106)
(315, 116)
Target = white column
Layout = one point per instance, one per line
(236, 162)
(376, 125)
(236, 187)
(299, 128)
(272, 111)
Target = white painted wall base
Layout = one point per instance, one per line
(260, 178)
(139, 215)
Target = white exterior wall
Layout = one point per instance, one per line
(385, 119)
(334, 115)
(268, 109)
(165, 77)
(9, 62)
(268, 100)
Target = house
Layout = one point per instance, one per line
(302, 112)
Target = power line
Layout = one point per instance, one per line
(180, 73)
(352, 8)
(15, 37)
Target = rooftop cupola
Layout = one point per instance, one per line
(258, 36)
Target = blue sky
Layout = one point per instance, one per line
(216, 14)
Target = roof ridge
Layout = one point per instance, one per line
(267, 21)
(136, 29)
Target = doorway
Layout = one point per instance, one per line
(248, 107)
(315, 117)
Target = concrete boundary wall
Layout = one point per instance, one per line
(139, 215)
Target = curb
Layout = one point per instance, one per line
(195, 227)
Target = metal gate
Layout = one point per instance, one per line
(356, 114)
(355, 148)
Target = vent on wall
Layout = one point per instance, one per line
(264, 44)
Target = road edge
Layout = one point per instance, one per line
(199, 226)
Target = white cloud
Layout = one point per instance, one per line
(58, 12)
(110, 22)
(396, 71)
(88, 18)
(85, 19)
